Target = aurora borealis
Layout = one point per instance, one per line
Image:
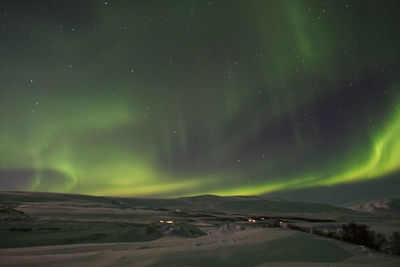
(177, 98)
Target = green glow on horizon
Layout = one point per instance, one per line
(384, 159)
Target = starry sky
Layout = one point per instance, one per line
(188, 97)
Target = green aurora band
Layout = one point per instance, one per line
(149, 99)
(383, 159)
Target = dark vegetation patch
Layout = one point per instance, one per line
(58, 233)
(181, 228)
(13, 229)
(359, 234)
(10, 214)
(160, 209)
(91, 237)
(49, 228)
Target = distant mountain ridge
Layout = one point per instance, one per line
(256, 204)
(212, 203)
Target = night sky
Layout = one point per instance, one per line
(176, 98)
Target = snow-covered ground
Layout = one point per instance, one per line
(72, 230)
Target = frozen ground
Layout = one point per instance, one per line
(40, 229)
(249, 247)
